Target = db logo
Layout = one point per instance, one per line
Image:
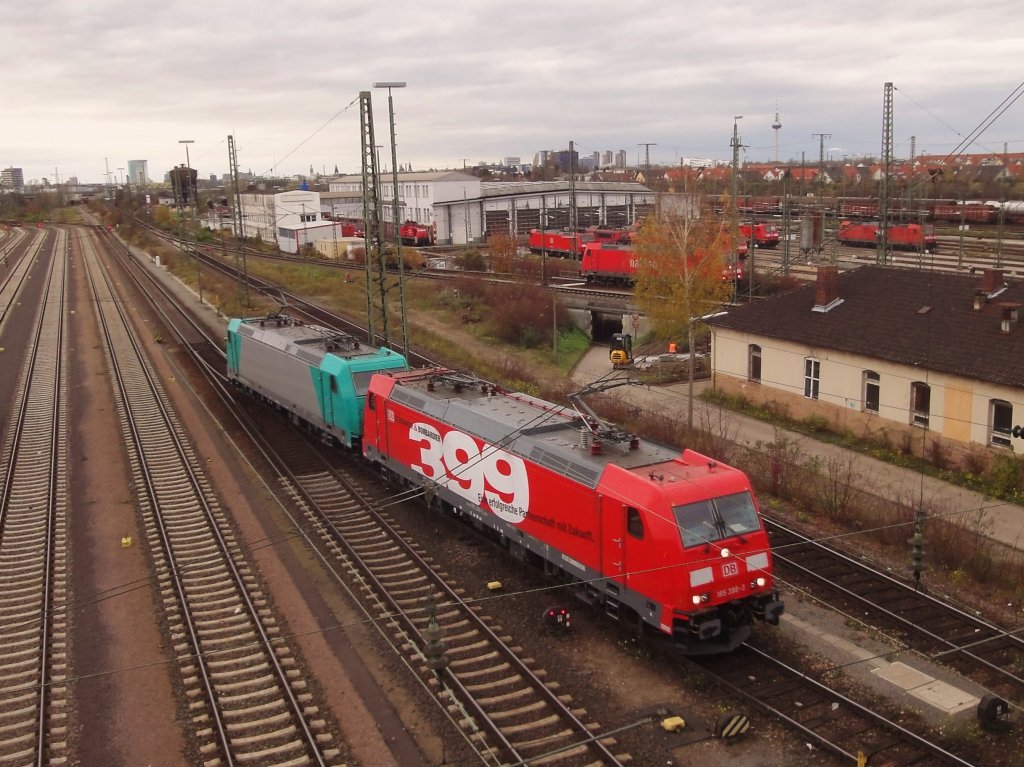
(730, 569)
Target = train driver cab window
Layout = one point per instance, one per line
(705, 522)
(698, 523)
(634, 523)
(738, 513)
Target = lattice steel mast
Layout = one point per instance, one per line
(883, 188)
(236, 215)
(373, 242)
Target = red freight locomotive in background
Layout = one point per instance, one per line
(617, 264)
(562, 242)
(901, 236)
(556, 243)
(765, 235)
(416, 234)
(674, 540)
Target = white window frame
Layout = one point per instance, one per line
(812, 377)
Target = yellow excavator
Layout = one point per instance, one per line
(621, 354)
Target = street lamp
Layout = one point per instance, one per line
(394, 209)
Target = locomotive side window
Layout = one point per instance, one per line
(371, 401)
(334, 384)
(634, 523)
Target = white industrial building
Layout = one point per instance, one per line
(290, 219)
(419, 193)
(463, 209)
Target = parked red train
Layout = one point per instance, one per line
(611, 264)
(672, 541)
(932, 210)
(562, 242)
(901, 236)
(412, 233)
(765, 235)
(556, 242)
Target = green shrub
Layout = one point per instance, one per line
(1003, 476)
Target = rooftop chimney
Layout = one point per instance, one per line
(826, 289)
(991, 281)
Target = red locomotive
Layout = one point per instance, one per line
(671, 541)
(765, 235)
(611, 264)
(412, 233)
(562, 242)
(901, 236)
(556, 243)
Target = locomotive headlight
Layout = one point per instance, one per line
(699, 599)
(761, 581)
(757, 583)
(725, 552)
(696, 599)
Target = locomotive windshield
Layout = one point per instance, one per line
(712, 520)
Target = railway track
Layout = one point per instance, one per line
(505, 708)
(14, 279)
(248, 700)
(990, 655)
(33, 545)
(831, 721)
(502, 703)
(815, 711)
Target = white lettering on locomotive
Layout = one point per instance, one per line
(482, 474)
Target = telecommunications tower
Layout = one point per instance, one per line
(776, 127)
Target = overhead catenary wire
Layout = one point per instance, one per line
(298, 146)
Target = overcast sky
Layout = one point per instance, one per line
(107, 81)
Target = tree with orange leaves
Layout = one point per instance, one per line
(682, 257)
